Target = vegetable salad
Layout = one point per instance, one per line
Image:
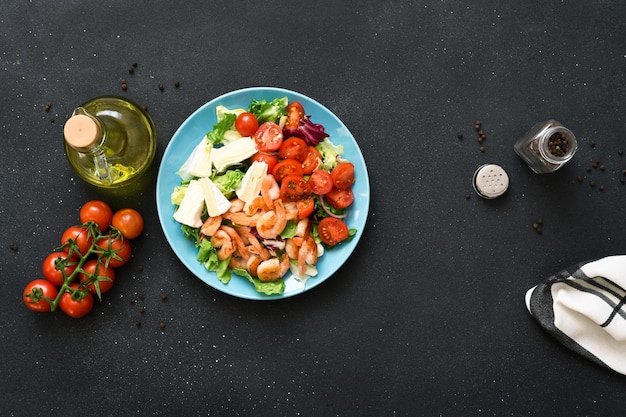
(264, 193)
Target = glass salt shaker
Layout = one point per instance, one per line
(547, 147)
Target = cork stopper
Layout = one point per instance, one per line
(81, 131)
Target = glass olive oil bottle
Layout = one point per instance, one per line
(110, 141)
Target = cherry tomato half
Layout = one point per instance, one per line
(287, 167)
(129, 222)
(270, 159)
(98, 212)
(312, 160)
(321, 182)
(268, 137)
(117, 251)
(305, 208)
(76, 303)
(340, 198)
(37, 293)
(246, 124)
(332, 230)
(343, 175)
(293, 148)
(56, 265)
(294, 188)
(295, 113)
(77, 238)
(97, 277)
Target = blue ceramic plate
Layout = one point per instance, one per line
(188, 136)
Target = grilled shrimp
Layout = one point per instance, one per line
(273, 222)
(273, 269)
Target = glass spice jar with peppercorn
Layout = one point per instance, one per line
(547, 147)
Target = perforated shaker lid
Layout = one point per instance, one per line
(81, 131)
(490, 181)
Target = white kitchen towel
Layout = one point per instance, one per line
(583, 308)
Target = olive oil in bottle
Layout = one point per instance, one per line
(110, 141)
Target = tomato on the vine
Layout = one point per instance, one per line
(97, 277)
(57, 266)
(129, 222)
(98, 212)
(343, 175)
(340, 198)
(78, 238)
(77, 302)
(293, 148)
(332, 230)
(312, 160)
(294, 188)
(116, 250)
(246, 124)
(268, 137)
(287, 167)
(305, 207)
(270, 159)
(321, 182)
(38, 294)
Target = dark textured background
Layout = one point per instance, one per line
(427, 316)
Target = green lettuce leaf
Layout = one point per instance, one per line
(267, 288)
(268, 111)
(330, 154)
(217, 134)
(228, 182)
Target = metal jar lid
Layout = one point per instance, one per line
(490, 181)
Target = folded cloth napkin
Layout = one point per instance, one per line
(583, 308)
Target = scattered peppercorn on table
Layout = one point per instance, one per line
(424, 314)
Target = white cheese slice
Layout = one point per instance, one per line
(190, 210)
(215, 201)
(233, 153)
(251, 183)
(198, 164)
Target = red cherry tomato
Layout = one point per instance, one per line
(57, 266)
(270, 159)
(312, 160)
(321, 182)
(76, 303)
(129, 222)
(332, 230)
(295, 113)
(268, 137)
(343, 175)
(246, 124)
(293, 148)
(305, 208)
(37, 293)
(116, 250)
(98, 212)
(97, 277)
(340, 198)
(76, 238)
(294, 188)
(287, 167)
